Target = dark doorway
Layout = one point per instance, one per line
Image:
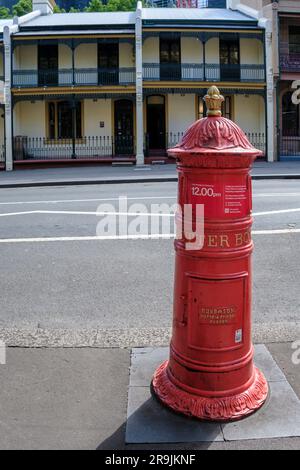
(230, 69)
(123, 127)
(48, 65)
(170, 58)
(108, 63)
(290, 116)
(156, 123)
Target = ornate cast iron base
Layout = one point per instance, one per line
(210, 409)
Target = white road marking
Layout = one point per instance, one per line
(100, 213)
(127, 237)
(142, 198)
(8, 214)
(276, 232)
(88, 238)
(281, 211)
(276, 194)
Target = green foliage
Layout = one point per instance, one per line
(121, 5)
(112, 5)
(4, 13)
(57, 9)
(74, 10)
(94, 6)
(22, 7)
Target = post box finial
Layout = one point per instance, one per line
(214, 101)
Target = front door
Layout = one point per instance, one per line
(123, 127)
(156, 123)
(48, 65)
(230, 69)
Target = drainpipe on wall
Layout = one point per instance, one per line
(139, 86)
(271, 131)
(8, 69)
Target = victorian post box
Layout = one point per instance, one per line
(210, 373)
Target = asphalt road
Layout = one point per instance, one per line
(126, 285)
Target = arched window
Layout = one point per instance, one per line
(290, 116)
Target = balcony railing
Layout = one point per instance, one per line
(126, 76)
(76, 77)
(289, 57)
(290, 62)
(90, 147)
(207, 72)
(257, 139)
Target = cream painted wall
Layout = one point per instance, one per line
(191, 51)
(64, 57)
(181, 112)
(212, 51)
(30, 119)
(251, 51)
(249, 113)
(86, 56)
(126, 57)
(151, 50)
(94, 112)
(25, 58)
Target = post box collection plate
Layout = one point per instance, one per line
(210, 373)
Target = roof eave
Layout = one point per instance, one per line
(201, 23)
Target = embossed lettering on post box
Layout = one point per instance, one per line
(213, 320)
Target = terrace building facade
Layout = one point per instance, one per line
(288, 73)
(124, 86)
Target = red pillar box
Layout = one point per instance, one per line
(210, 374)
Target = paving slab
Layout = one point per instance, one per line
(283, 354)
(280, 417)
(63, 399)
(149, 422)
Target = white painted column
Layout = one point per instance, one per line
(265, 20)
(139, 87)
(7, 97)
(271, 100)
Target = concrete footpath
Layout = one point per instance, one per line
(77, 399)
(84, 175)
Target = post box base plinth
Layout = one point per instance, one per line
(231, 408)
